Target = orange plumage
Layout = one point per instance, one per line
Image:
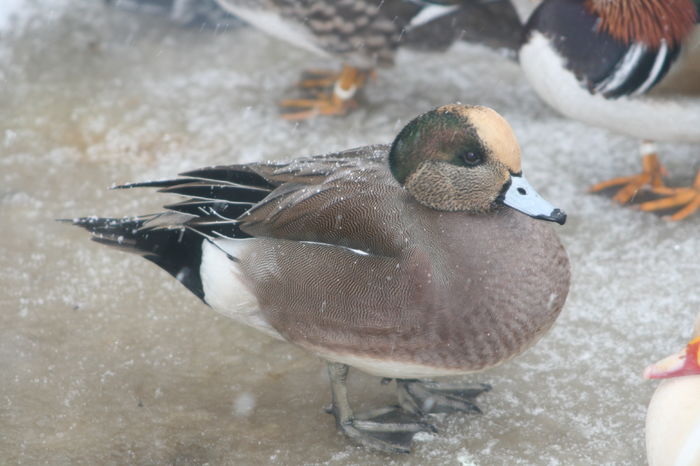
(650, 22)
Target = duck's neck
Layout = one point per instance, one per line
(651, 22)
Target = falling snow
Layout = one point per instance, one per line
(108, 360)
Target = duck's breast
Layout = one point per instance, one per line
(673, 423)
(503, 280)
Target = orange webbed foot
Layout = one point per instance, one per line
(651, 177)
(303, 109)
(688, 197)
(328, 94)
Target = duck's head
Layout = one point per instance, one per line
(465, 158)
(684, 362)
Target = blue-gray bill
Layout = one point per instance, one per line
(521, 196)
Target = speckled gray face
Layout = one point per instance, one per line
(520, 195)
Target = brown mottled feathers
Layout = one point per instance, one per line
(463, 292)
(348, 27)
(343, 260)
(429, 289)
(331, 199)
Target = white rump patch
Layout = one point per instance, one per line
(224, 289)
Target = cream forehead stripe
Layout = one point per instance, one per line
(498, 136)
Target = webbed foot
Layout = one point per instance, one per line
(325, 93)
(688, 198)
(389, 430)
(439, 397)
(650, 177)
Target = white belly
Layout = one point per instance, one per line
(386, 368)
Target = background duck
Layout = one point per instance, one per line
(632, 66)
(420, 259)
(673, 417)
(192, 13)
(366, 34)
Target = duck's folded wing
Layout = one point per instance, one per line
(348, 199)
(317, 294)
(494, 23)
(216, 197)
(366, 216)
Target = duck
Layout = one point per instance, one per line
(366, 34)
(673, 417)
(428, 257)
(631, 66)
(202, 14)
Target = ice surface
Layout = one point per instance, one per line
(105, 359)
(11, 12)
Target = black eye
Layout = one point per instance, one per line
(471, 158)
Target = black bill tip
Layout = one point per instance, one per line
(557, 215)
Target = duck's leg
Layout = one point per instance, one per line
(318, 80)
(333, 94)
(688, 197)
(651, 176)
(422, 398)
(388, 429)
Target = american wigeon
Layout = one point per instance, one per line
(632, 66)
(365, 34)
(422, 258)
(673, 417)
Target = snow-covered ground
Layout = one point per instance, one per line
(105, 359)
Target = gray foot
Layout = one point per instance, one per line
(421, 398)
(389, 430)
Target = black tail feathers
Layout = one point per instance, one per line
(176, 250)
(217, 197)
